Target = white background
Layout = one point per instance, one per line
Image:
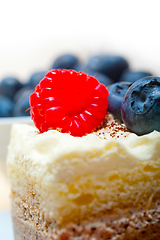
(34, 32)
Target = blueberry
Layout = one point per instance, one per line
(23, 92)
(132, 76)
(22, 102)
(117, 92)
(141, 106)
(9, 86)
(6, 107)
(65, 61)
(81, 67)
(102, 78)
(35, 78)
(110, 65)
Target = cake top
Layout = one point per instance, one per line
(76, 103)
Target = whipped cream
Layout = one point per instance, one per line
(76, 177)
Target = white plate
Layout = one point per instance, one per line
(6, 229)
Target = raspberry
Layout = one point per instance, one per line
(68, 101)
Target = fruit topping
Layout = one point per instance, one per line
(141, 106)
(102, 78)
(21, 100)
(65, 61)
(69, 101)
(115, 98)
(6, 106)
(110, 65)
(132, 76)
(9, 86)
(35, 78)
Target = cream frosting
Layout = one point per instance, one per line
(75, 177)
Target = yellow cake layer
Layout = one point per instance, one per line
(78, 177)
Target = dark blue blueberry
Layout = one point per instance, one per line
(81, 67)
(117, 92)
(6, 107)
(65, 61)
(102, 78)
(22, 102)
(35, 78)
(132, 76)
(110, 65)
(9, 86)
(141, 106)
(23, 92)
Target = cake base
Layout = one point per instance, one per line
(130, 224)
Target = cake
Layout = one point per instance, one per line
(102, 185)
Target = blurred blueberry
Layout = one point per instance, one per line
(117, 92)
(6, 107)
(132, 76)
(110, 65)
(9, 86)
(22, 102)
(23, 92)
(81, 67)
(65, 61)
(35, 78)
(102, 78)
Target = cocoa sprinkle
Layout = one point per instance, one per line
(111, 127)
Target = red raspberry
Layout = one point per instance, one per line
(68, 101)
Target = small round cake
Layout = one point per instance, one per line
(104, 184)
